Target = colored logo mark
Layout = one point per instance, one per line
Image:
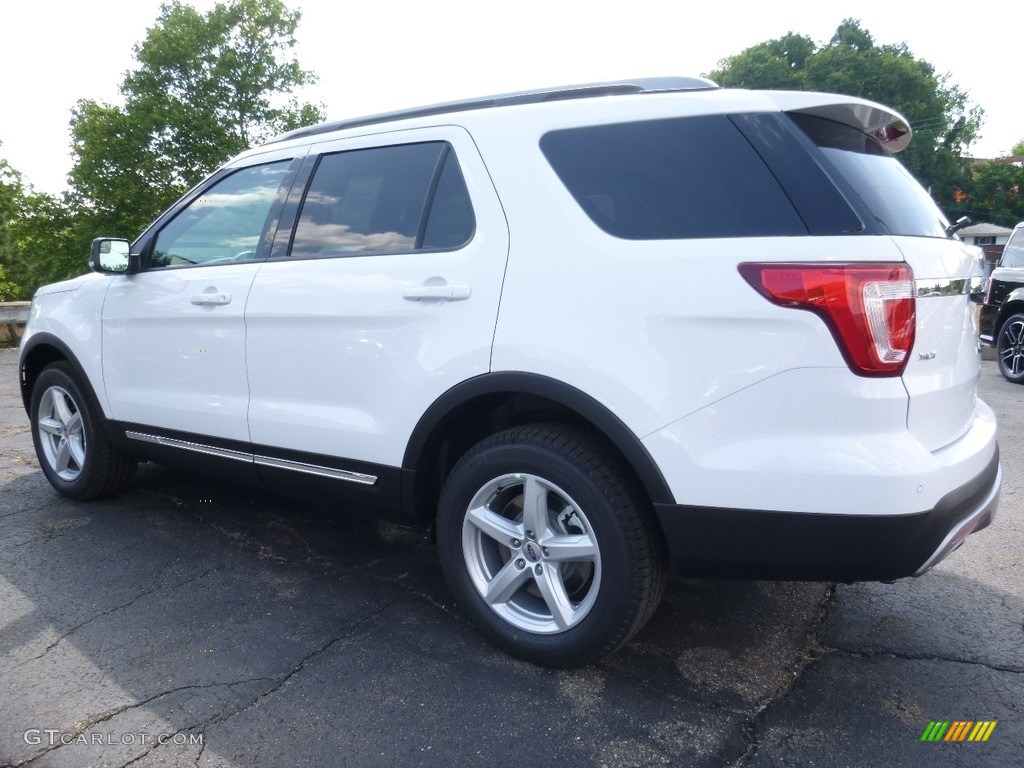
(958, 730)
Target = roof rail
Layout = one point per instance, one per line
(561, 93)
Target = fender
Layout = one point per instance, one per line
(1016, 295)
(44, 338)
(599, 416)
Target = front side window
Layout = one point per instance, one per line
(384, 200)
(223, 225)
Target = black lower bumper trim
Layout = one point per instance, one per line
(759, 544)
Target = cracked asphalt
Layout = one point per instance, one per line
(241, 628)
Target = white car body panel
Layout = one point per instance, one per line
(173, 364)
(380, 360)
(70, 310)
(942, 374)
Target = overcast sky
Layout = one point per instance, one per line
(389, 54)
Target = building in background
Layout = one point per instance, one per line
(990, 238)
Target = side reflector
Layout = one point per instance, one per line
(869, 308)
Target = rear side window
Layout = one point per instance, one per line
(1013, 253)
(384, 200)
(894, 197)
(669, 179)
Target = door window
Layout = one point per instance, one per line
(384, 200)
(225, 224)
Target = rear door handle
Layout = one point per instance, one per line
(211, 298)
(442, 292)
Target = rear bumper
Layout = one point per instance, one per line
(762, 544)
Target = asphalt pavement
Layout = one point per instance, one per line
(190, 623)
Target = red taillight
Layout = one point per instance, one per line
(869, 308)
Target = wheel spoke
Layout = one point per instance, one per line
(535, 506)
(555, 597)
(61, 409)
(63, 456)
(570, 548)
(506, 583)
(77, 452)
(74, 424)
(493, 525)
(50, 426)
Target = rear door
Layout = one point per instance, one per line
(386, 296)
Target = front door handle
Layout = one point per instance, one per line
(443, 292)
(217, 299)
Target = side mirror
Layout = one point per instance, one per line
(113, 256)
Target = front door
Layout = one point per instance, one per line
(174, 333)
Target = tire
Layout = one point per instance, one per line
(1010, 349)
(561, 583)
(74, 452)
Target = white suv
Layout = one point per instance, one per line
(574, 333)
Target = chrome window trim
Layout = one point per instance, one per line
(956, 286)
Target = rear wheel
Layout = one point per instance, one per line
(75, 454)
(547, 547)
(1010, 349)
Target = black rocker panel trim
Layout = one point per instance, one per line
(518, 383)
(761, 544)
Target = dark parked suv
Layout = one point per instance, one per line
(1002, 312)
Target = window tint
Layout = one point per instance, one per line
(450, 222)
(225, 223)
(1013, 253)
(893, 196)
(376, 200)
(669, 179)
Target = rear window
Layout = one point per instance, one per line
(1013, 253)
(670, 179)
(898, 202)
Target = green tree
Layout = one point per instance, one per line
(993, 192)
(852, 63)
(1018, 149)
(207, 86)
(12, 199)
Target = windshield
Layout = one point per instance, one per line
(1013, 253)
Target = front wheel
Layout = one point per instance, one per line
(1010, 349)
(75, 454)
(547, 546)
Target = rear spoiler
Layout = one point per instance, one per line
(889, 127)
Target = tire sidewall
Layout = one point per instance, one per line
(61, 376)
(1016, 379)
(599, 627)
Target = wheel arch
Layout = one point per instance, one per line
(1012, 305)
(41, 350)
(487, 404)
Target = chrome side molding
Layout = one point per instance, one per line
(266, 461)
